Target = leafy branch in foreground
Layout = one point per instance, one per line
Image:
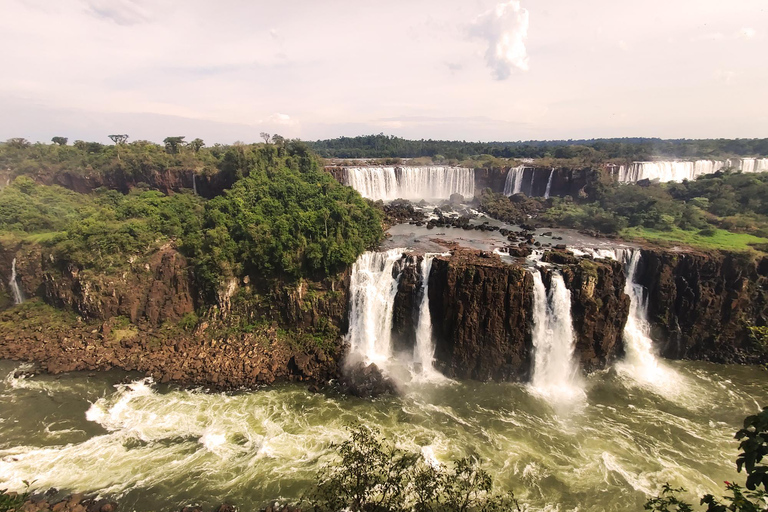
(754, 448)
(372, 476)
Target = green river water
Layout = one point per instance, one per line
(157, 447)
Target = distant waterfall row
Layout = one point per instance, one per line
(374, 283)
(414, 183)
(685, 170)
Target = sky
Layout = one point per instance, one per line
(444, 69)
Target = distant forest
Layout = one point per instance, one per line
(388, 146)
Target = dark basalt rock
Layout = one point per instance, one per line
(366, 381)
(701, 305)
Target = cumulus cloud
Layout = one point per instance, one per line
(505, 29)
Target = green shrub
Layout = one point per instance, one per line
(370, 475)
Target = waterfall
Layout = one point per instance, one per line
(424, 351)
(753, 164)
(554, 373)
(514, 183)
(640, 361)
(373, 287)
(194, 182)
(18, 297)
(549, 183)
(681, 170)
(414, 183)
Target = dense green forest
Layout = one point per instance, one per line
(387, 146)
(724, 210)
(283, 217)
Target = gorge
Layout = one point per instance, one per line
(585, 371)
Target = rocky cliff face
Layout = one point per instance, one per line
(701, 304)
(168, 180)
(482, 314)
(599, 308)
(160, 288)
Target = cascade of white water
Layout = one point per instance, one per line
(640, 362)
(514, 182)
(424, 351)
(554, 373)
(753, 164)
(679, 170)
(414, 183)
(194, 183)
(373, 287)
(18, 297)
(549, 183)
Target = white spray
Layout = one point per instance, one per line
(555, 375)
(514, 182)
(549, 183)
(424, 351)
(373, 289)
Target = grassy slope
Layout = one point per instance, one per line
(722, 239)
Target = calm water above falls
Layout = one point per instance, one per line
(157, 447)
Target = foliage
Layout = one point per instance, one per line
(284, 215)
(291, 219)
(759, 336)
(719, 239)
(189, 321)
(586, 150)
(12, 501)
(668, 501)
(372, 476)
(754, 448)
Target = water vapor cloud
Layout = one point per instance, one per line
(505, 29)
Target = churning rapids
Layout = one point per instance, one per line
(157, 446)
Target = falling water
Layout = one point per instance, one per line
(549, 183)
(554, 373)
(640, 362)
(753, 164)
(373, 287)
(18, 297)
(194, 183)
(415, 183)
(424, 351)
(514, 183)
(682, 170)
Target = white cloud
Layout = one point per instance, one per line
(505, 29)
(282, 119)
(229, 70)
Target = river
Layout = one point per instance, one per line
(157, 447)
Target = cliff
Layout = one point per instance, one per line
(482, 314)
(701, 305)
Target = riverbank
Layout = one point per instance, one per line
(60, 342)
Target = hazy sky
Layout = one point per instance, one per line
(456, 69)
